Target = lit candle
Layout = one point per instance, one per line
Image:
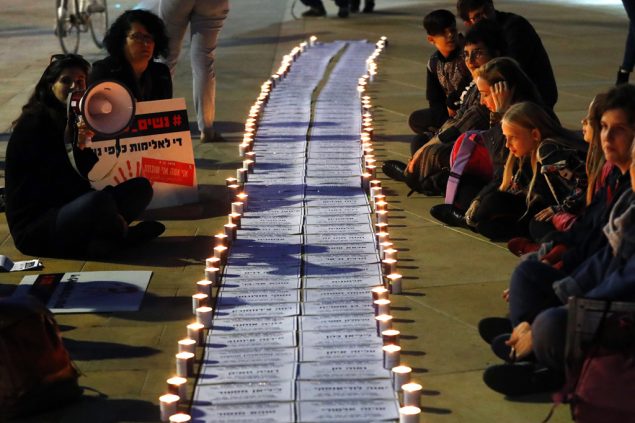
(180, 418)
(312, 40)
(383, 246)
(391, 356)
(167, 406)
(220, 251)
(233, 190)
(178, 386)
(230, 181)
(249, 165)
(381, 237)
(230, 231)
(381, 227)
(237, 207)
(382, 215)
(381, 205)
(185, 364)
(412, 394)
(375, 183)
(195, 332)
(204, 287)
(221, 239)
(390, 266)
(374, 191)
(204, 317)
(400, 376)
(390, 336)
(394, 283)
(384, 322)
(365, 181)
(243, 148)
(379, 293)
(382, 306)
(409, 414)
(250, 155)
(241, 175)
(242, 197)
(199, 300)
(372, 169)
(187, 345)
(235, 219)
(390, 253)
(379, 197)
(212, 261)
(212, 274)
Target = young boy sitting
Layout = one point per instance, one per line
(447, 73)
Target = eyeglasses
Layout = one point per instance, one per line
(474, 54)
(141, 38)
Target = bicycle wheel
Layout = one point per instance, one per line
(98, 22)
(66, 25)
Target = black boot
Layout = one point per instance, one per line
(343, 12)
(355, 6)
(315, 12)
(622, 77)
(369, 6)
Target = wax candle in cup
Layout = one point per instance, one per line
(196, 332)
(230, 230)
(204, 316)
(382, 306)
(409, 414)
(185, 364)
(384, 322)
(187, 345)
(212, 262)
(391, 355)
(400, 376)
(204, 286)
(167, 406)
(379, 293)
(237, 207)
(394, 283)
(180, 418)
(177, 385)
(411, 394)
(199, 300)
(390, 336)
(221, 239)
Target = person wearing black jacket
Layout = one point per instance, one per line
(133, 41)
(523, 44)
(51, 209)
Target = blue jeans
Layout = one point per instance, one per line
(629, 50)
(549, 337)
(530, 291)
(99, 217)
(319, 5)
(205, 18)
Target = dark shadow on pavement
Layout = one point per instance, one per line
(94, 350)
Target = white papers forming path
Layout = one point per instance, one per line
(294, 337)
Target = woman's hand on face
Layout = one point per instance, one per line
(544, 215)
(502, 96)
(84, 134)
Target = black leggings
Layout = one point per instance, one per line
(98, 219)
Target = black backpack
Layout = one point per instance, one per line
(36, 372)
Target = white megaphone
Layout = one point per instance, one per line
(107, 107)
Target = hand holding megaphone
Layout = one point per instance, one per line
(84, 134)
(106, 108)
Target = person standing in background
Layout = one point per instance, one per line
(624, 72)
(205, 18)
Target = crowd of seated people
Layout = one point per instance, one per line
(562, 200)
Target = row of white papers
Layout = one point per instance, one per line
(276, 352)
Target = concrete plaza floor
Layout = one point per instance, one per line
(453, 278)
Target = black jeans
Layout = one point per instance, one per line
(317, 4)
(99, 218)
(427, 120)
(500, 216)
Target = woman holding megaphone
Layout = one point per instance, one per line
(51, 209)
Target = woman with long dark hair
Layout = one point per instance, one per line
(51, 209)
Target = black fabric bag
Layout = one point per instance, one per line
(36, 372)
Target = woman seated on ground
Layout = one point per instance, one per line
(133, 41)
(51, 209)
(570, 243)
(538, 343)
(501, 83)
(544, 171)
(482, 43)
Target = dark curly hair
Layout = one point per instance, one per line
(43, 96)
(115, 38)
